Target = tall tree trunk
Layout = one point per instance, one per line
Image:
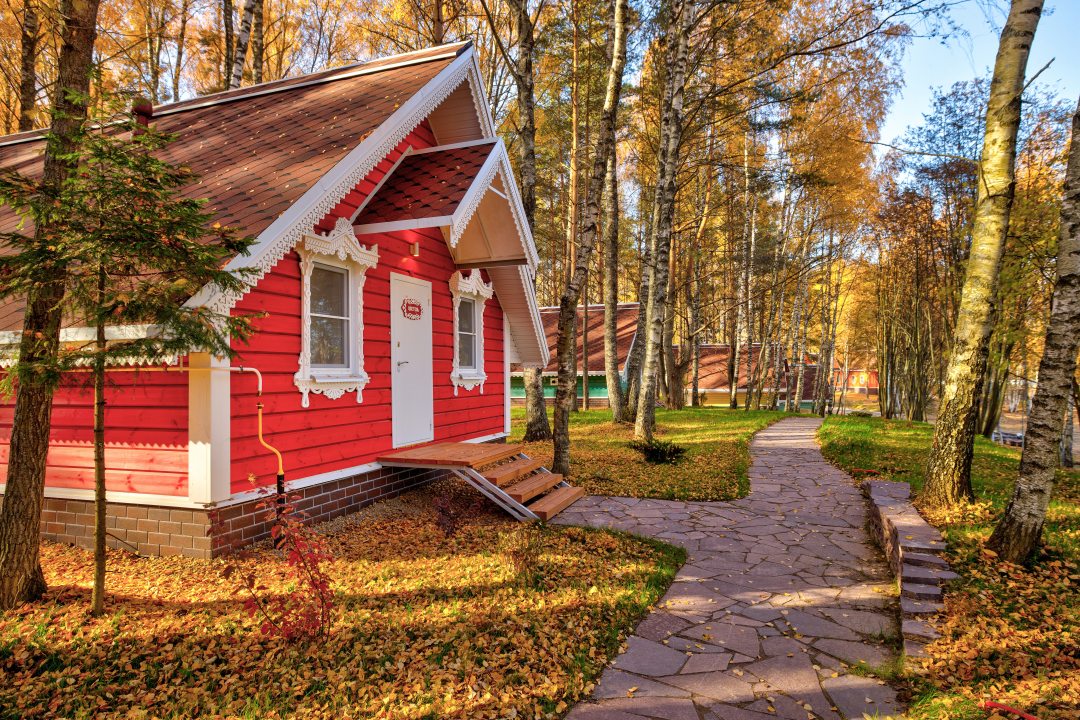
(585, 343)
(181, 39)
(637, 349)
(1017, 534)
(21, 578)
(236, 76)
(30, 34)
(605, 147)
(948, 471)
(1067, 435)
(258, 42)
(536, 420)
(678, 39)
(97, 604)
(616, 397)
(228, 10)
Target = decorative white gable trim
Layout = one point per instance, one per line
(473, 287)
(471, 202)
(339, 244)
(298, 221)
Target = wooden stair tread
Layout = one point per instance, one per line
(556, 501)
(509, 472)
(533, 485)
(451, 454)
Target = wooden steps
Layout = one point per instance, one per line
(534, 485)
(503, 475)
(527, 482)
(556, 501)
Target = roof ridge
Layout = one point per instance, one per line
(343, 72)
(381, 64)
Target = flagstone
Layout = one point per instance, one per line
(781, 591)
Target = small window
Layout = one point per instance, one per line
(466, 333)
(329, 317)
(469, 292)
(332, 268)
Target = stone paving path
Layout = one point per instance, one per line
(781, 594)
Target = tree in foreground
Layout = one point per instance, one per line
(21, 578)
(948, 472)
(1017, 534)
(565, 346)
(135, 249)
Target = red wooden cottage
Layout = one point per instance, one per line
(394, 265)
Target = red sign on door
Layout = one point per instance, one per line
(412, 309)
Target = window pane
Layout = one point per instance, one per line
(328, 291)
(466, 350)
(328, 341)
(465, 315)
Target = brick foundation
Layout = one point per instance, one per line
(151, 530)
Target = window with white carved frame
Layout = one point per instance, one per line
(332, 271)
(469, 292)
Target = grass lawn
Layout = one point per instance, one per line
(1011, 634)
(426, 626)
(714, 467)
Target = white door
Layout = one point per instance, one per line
(412, 378)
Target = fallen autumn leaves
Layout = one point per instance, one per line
(426, 627)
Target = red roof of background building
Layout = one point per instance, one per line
(426, 184)
(626, 318)
(258, 149)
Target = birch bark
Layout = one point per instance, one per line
(1017, 534)
(680, 23)
(565, 345)
(948, 471)
(236, 75)
(616, 397)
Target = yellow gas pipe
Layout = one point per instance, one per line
(259, 407)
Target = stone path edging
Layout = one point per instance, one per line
(782, 595)
(914, 549)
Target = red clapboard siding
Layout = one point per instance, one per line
(336, 434)
(146, 434)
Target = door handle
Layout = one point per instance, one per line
(402, 362)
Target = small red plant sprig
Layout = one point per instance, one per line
(305, 609)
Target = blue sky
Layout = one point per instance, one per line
(936, 62)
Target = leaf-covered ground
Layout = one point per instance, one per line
(426, 626)
(713, 468)
(1011, 634)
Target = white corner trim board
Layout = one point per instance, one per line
(470, 287)
(338, 248)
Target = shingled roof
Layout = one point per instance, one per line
(258, 149)
(426, 184)
(626, 319)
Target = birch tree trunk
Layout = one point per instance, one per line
(536, 419)
(1017, 534)
(616, 398)
(1067, 435)
(948, 471)
(30, 34)
(663, 215)
(240, 51)
(21, 578)
(605, 147)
